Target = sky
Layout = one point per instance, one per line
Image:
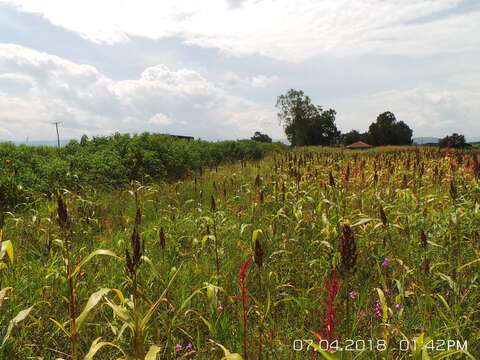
(214, 69)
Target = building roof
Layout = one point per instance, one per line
(182, 137)
(359, 145)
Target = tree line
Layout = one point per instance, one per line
(306, 124)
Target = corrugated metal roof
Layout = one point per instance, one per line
(359, 145)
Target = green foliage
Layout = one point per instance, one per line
(305, 123)
(455, 140)
(354, 136)
(258, 136)
(113, 161)
(413, 286)
(386, 130)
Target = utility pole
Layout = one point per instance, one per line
(58, 137)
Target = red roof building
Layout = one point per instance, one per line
(359, 145)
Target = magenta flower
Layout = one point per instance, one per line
(385, 262)
(178, 348)
(398, 306)
(361, 313)
(353, 295)
(388, 292)
(189, 347)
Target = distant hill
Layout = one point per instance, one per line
(39, 142)
(473, 140)
(425, 140)
(284, 141)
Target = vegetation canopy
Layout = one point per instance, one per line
(455, 141)
(258, 136)
(268, 254)
(115, 161)
(386, 130)
(305, 123)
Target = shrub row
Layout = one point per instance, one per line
(113, 161)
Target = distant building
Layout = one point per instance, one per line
(183, 137)
(359, 145)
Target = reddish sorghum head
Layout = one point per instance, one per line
(329, 318)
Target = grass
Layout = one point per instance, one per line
(252, 260)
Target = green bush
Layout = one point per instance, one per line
(113, 161)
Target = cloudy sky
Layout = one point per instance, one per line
(213, 69)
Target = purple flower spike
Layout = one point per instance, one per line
(398, 306)
(353, 295)
(378, 309)
(178, 348)
(361, 313)
(388, 292)
(385, 262)
(189, 347)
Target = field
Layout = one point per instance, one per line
(304, 254)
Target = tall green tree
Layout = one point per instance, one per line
(455, 140)
(353, 136)
(305, 123)
(386, 130)
(258, 136)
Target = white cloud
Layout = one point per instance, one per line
(235, 4)
(282, 29)
(88, 102)
(160, 119)
(162, 74)
(232, 80)
(15, 77)
(185, 102)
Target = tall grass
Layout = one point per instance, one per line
(246, 260)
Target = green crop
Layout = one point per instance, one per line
(295, 255)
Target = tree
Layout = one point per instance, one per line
(455, 140)
(84, 140)
(305, 123)
(354, 136)
(388, 131)
(258, 136)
